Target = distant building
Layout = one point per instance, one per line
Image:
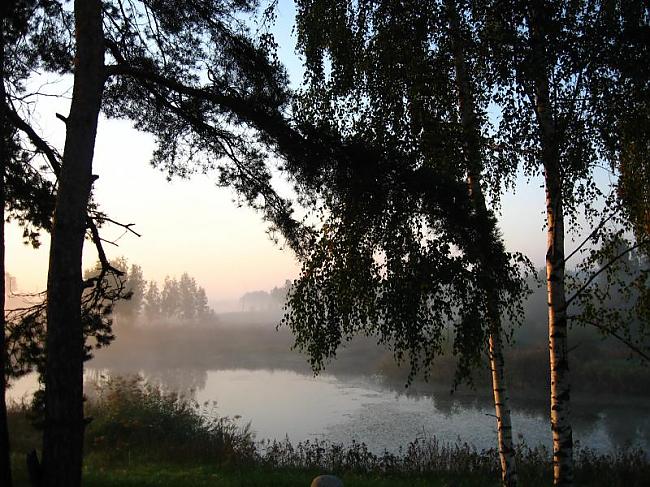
(10, 284)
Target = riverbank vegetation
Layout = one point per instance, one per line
(141, 435)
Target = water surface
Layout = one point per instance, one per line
(283, 403)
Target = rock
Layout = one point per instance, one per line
(327, 481)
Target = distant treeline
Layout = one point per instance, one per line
(263, 300)
(175, 300)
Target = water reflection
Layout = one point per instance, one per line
(283, 403)
(342, 408)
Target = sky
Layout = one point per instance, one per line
(195, 227)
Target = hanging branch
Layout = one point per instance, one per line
(54, 160)
(26, 325)
(106, 265)
(52, 156)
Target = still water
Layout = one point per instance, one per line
(281, 403)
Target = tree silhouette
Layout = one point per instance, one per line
(397, 252)
(421, 66)
(135, 285)
(166, 52)
(170, 300)
(152, 302)
(187, 297)
(131, 281)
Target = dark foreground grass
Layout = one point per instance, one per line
(157, 476)
(142, 436)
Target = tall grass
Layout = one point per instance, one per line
(134, 420)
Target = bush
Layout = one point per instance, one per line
(134, 418)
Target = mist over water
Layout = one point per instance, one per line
(241, 366)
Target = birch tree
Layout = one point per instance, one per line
(472, 142)
(413, 69)
(540, 64)
(546, 58)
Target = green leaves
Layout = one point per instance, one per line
(403, 255)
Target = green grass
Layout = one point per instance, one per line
(180, 476)
(165, 475)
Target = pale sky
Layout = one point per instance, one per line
(193, 226)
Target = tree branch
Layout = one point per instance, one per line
(604, 268)
(101, 217)
(50, 153)
(54, 159)
(591, 235)
(613, 333)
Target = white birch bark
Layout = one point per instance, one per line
(471, 137)
(555, 265)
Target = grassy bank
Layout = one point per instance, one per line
(142, 436)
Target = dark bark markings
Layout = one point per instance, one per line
(555, 261)
(472, 142)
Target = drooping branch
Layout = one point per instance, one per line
(106, 265)
(51, 154)
(277, 209)
(316, 158)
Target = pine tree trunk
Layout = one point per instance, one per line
(557, 317)
(5, 458)
(64, 421)
(472, 150)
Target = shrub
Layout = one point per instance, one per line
(132, 417)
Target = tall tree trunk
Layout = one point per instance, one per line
(5, 132)
(64, 421)
(557, 316)
(471, 137)
(557, 328)
(5, 458)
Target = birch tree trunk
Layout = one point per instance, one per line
(557, 316)
(5, 459)
(557, 328)
(471, 136)
(64, 421)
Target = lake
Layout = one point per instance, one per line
(281, 403)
